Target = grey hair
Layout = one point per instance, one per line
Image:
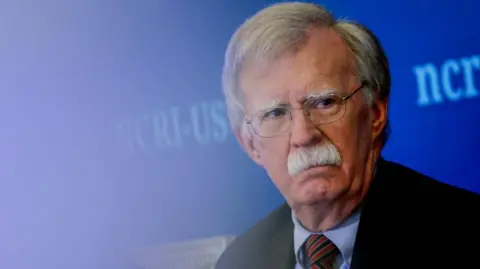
(283, 28)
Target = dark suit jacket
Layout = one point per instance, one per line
(408, 221)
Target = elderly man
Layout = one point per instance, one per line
(308, 99)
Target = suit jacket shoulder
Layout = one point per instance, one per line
(410, 187)
(404, 195)
(407, 213)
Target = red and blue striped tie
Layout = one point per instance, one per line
(321, 252)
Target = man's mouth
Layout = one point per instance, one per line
(319, 167)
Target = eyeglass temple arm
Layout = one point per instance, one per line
(364, 83)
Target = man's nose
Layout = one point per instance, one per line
(304, 132)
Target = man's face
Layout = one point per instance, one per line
(323, 64)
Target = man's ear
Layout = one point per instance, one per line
(379, 117)
(246, 141)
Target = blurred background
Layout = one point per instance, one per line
(114, 135)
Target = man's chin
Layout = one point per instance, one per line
(313, 196)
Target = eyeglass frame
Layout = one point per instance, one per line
(343, 99)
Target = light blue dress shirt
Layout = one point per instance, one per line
(342, 236)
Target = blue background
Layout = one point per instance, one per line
(91, 91)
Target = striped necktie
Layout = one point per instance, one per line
(321, 252)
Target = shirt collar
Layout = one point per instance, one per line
(342, 236)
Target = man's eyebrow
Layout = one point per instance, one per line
(272, 104)
(320, 93)
(275, 103)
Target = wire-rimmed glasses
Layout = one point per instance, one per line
(320, 110)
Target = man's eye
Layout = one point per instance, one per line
(326, 102)
(274, 114)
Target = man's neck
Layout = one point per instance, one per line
(324, 217)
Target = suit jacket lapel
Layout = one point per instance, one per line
(281, 254)
(363, 250)
(374, 232)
